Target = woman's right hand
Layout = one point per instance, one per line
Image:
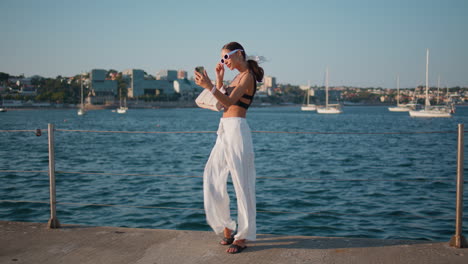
(219, 74)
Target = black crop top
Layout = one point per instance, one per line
(245, 95)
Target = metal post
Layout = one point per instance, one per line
(53, 221)
(458, 240)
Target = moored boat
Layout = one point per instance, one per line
(308, 106)
(430, 111)
(329, 108)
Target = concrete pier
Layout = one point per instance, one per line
(22, 242)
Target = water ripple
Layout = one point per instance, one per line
(389, 207)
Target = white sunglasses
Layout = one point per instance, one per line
(228, 55)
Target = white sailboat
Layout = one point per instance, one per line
(329, 108)
(308, 106)
(81, 111)
(449, 107)
(449, 101)
(401, 107)
(430, 111)
(2, 108)
(122, 109)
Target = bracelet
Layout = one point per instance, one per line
(222, 90)
(213, 90)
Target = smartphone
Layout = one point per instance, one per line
(200, 69)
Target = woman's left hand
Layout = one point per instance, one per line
(203, 80)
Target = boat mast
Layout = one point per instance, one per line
(438, 87)
(326, 88)
(308, 91)
(427, 80)
(81, 83)
(120, 97)
(398, 89)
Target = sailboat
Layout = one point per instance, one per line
(329, 108)
(122, 109)
(308, 106)
(430, 111)
(401, 107)
(2, 108)
(450, 103)
(449, 107)
(81, 111)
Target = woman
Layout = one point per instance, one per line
(233, 151)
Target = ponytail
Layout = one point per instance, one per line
(257, 70)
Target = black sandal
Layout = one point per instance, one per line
(228, 240)
(239, 248)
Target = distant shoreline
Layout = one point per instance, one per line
(171, 105)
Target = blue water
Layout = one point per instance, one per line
(346, 185)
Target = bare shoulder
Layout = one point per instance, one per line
(247, 77)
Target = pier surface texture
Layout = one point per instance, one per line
(22, 242)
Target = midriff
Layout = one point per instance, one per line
(235, 111)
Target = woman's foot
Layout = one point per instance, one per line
(237, 246)
(228, 237)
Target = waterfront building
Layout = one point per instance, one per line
(103, 91)
(28, 89)
(181, 74)
(168, 75)
(24, 84)
(268, 82)
(138, 85)
(268, 85)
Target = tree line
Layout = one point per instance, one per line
(67, 90)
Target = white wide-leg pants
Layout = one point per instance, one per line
(233, 153)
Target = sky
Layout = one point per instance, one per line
(364, 43)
